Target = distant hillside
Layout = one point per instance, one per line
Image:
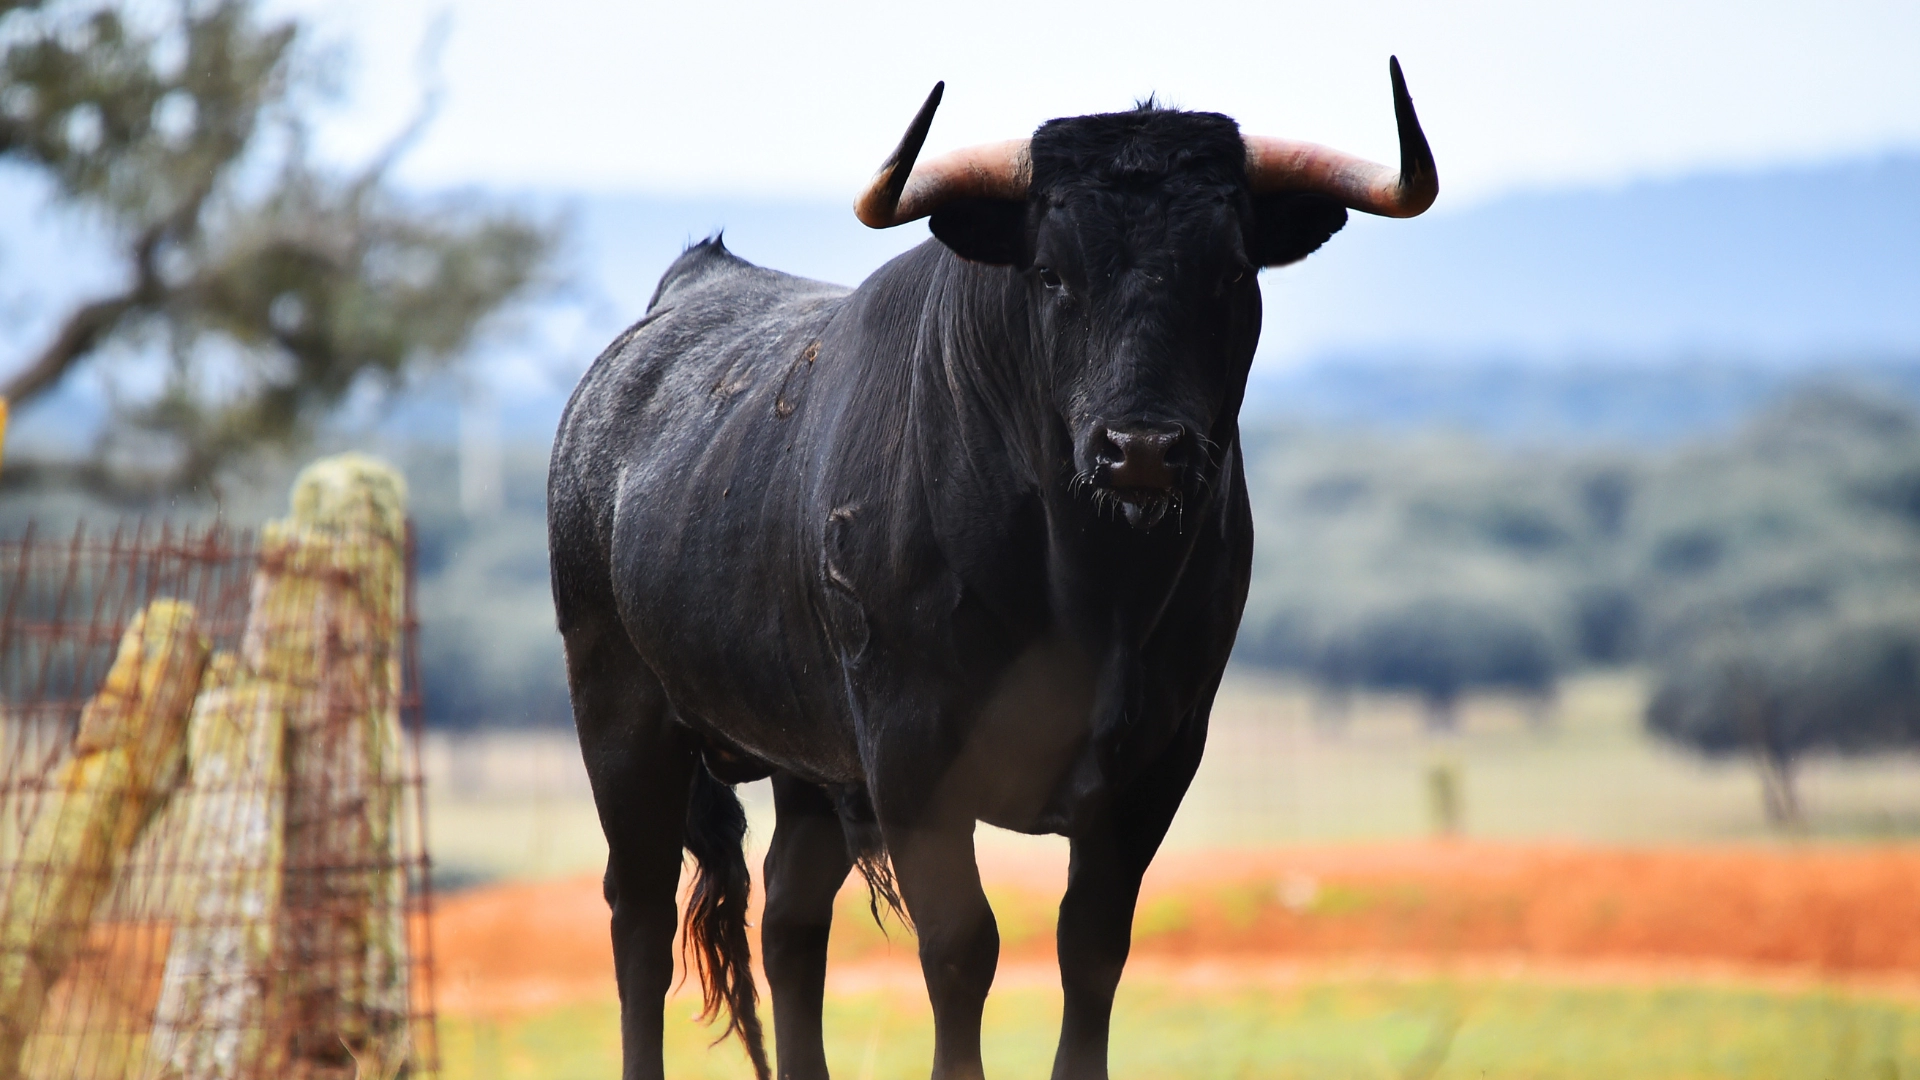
(1779, 265)
(1652, 311)
(1569, 404)
(1532, 316)
(1783, 266)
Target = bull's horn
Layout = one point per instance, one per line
(902, 192)
(1275, 165)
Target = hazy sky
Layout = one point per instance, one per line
(804, 99)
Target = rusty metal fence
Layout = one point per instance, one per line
(212, 835)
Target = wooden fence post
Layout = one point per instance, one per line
(338, 633)
(126, 759)
(209, 1022)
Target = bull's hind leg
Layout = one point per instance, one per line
(1110, 856)
(806, 864)
(641, 766)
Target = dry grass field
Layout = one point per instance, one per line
(1278, 770)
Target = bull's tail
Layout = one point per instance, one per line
(716, 921)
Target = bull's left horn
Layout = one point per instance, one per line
(1275, 165)
(903, 192)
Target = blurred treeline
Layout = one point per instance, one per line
(1768, 561)
(1767, 578)
(489, 650)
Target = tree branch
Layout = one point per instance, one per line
(93, 321)
(127, 490)
(78, 336)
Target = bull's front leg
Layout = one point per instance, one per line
(1095, 931)
(1093, 937)
(959, 941)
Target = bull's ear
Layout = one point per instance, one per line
(1291, 225)
(984, 230)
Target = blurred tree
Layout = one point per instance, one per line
(267, 286)
(1781, 576)
(1439, 648)
(1848, 684)
(1605, 623)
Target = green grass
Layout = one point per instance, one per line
(1331, 1028)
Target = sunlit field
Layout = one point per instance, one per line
(1360, 1027)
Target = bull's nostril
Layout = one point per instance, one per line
(1175, 454)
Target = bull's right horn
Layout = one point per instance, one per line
(1286, 165)
(903, 192)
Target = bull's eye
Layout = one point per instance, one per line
(1235, 275)
(1047, 277)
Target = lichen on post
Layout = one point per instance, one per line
(125, 760)
(208, 1024)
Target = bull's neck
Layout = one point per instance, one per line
(980, 378)
(995, 464)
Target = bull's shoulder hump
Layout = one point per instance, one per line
(707, 270)
(713, 310)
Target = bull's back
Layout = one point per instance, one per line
(675, 486)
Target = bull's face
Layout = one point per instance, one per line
(1146, 314)
(1137, 238)
(1139, 245)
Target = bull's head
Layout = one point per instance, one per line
(1138, 236)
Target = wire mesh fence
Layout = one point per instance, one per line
(212, 835)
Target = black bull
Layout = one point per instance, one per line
(969, 542)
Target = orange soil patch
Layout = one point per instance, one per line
(1821, 913)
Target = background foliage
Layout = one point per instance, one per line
(260, 288)
(1770, 578)
(1764, 575)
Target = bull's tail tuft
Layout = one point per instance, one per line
(868, 849)
(716, 923)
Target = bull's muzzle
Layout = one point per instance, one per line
(1139, 469)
